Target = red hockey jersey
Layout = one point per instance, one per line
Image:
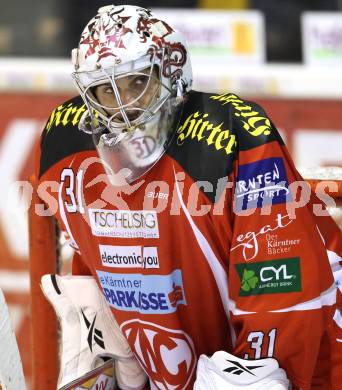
(215, 248)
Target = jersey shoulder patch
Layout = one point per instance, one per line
(205, 142)
(252, 126)
(213, 128)
(61, 136)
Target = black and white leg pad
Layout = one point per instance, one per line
(89, 331)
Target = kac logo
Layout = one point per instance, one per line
(167, 355)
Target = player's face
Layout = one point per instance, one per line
(130, 88)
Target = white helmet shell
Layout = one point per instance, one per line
(127, 41)
(118, 35)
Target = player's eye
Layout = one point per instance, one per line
(103, 90)
(108, 90)
(139, 81)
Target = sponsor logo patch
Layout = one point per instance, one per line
(157, 195)
(129, 256)
(197, 127)
(261, 183)
(94, 334)
(148, 294)
(124, 223)
(269, 277)
(66, 114)
(252, 121)
(237, 368)
(248, 242)
(276, 246)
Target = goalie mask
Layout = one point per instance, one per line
(132, 70)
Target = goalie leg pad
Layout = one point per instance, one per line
(89, 331)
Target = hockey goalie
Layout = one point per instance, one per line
(197, 266)
(95, 354)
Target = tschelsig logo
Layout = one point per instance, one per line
(124, 223)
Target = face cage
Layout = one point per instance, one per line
(96, 118)
(129, 155)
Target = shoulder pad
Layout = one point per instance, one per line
(61, 136)
(252, 126)
(205, 142)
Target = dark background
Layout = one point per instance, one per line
(51, 28)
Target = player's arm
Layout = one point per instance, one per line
(282, 291)
(332, 239)
(79, 266)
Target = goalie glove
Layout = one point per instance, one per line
(225, 371)
(89, 331)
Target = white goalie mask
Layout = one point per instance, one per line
(132, 70)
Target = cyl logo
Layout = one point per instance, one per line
(269, 277)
